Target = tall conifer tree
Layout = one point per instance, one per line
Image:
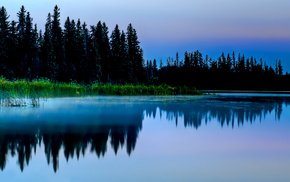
(19, 70)
(47, 53)
(57, 43)
(4, 41)
(116, 62)
(135, 54)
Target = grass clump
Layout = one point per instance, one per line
(130, 89)
(11, 91)
(40, 88)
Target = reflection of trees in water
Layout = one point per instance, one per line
(22, 145)
(226, 110)
(122, 127)
(73, 144)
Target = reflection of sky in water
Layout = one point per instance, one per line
(257, 152)
(166, 151)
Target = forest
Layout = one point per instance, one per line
(87, 55)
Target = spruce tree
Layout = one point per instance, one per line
(126, 67)
(94, 57)
(280, 68)
(276, 68)
(47, 52)
(19, 65)
(241, 63)
(58, 50)
(4, 41)
(186, 60)
(248, 65)
(135, 54)
(176, 60)
(80, 52)
(12, 52)
(150, 69)
(229, 63)
(116, 63)
(102, 45)
(85, 71)
(29, 48)
(69, 46)
(155, 68)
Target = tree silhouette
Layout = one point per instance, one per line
(76, 54)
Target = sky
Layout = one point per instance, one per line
(259, 28)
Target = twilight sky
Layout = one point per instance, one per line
(259, 28)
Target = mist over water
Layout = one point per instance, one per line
(133, 132)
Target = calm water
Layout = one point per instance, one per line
(228, 137)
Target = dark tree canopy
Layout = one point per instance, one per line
(74, 53)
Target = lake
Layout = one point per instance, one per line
(212, 138)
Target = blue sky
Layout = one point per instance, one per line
(260, 28)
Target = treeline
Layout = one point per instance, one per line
(80, 54)
(227, 72)
(75, 53)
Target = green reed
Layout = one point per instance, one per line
(130, 89)
(16, 93)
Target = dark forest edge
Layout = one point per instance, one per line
(77, 55)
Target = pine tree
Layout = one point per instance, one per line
(4, 41)
(150, 69)
(91, 70)
(197, 59)
(47, 52)
(21, 24)
(176, 60)
(229, 63)
(69, 44)
(147, 69)
(75, 52)
(276, 68)
(206, 62)
(29, 48)
(80, 51)
(12, 52)
(37, 41)
(186, 60)
(58, 49)
(252, 66)
(94, 57)
(241, 63)
(85, 37)
(280, 68)
(102, 45)
(116, 54)
(266, 68)
(234, 61)
(222, 62)
(135, 54)
(19, 65)
(155, 71)
(126, 65)
(248, 65)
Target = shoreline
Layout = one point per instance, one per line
(245, 91)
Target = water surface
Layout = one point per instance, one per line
(226, 137)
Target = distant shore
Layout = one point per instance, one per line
(245, 91)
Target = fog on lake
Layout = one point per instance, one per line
(232, 137)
